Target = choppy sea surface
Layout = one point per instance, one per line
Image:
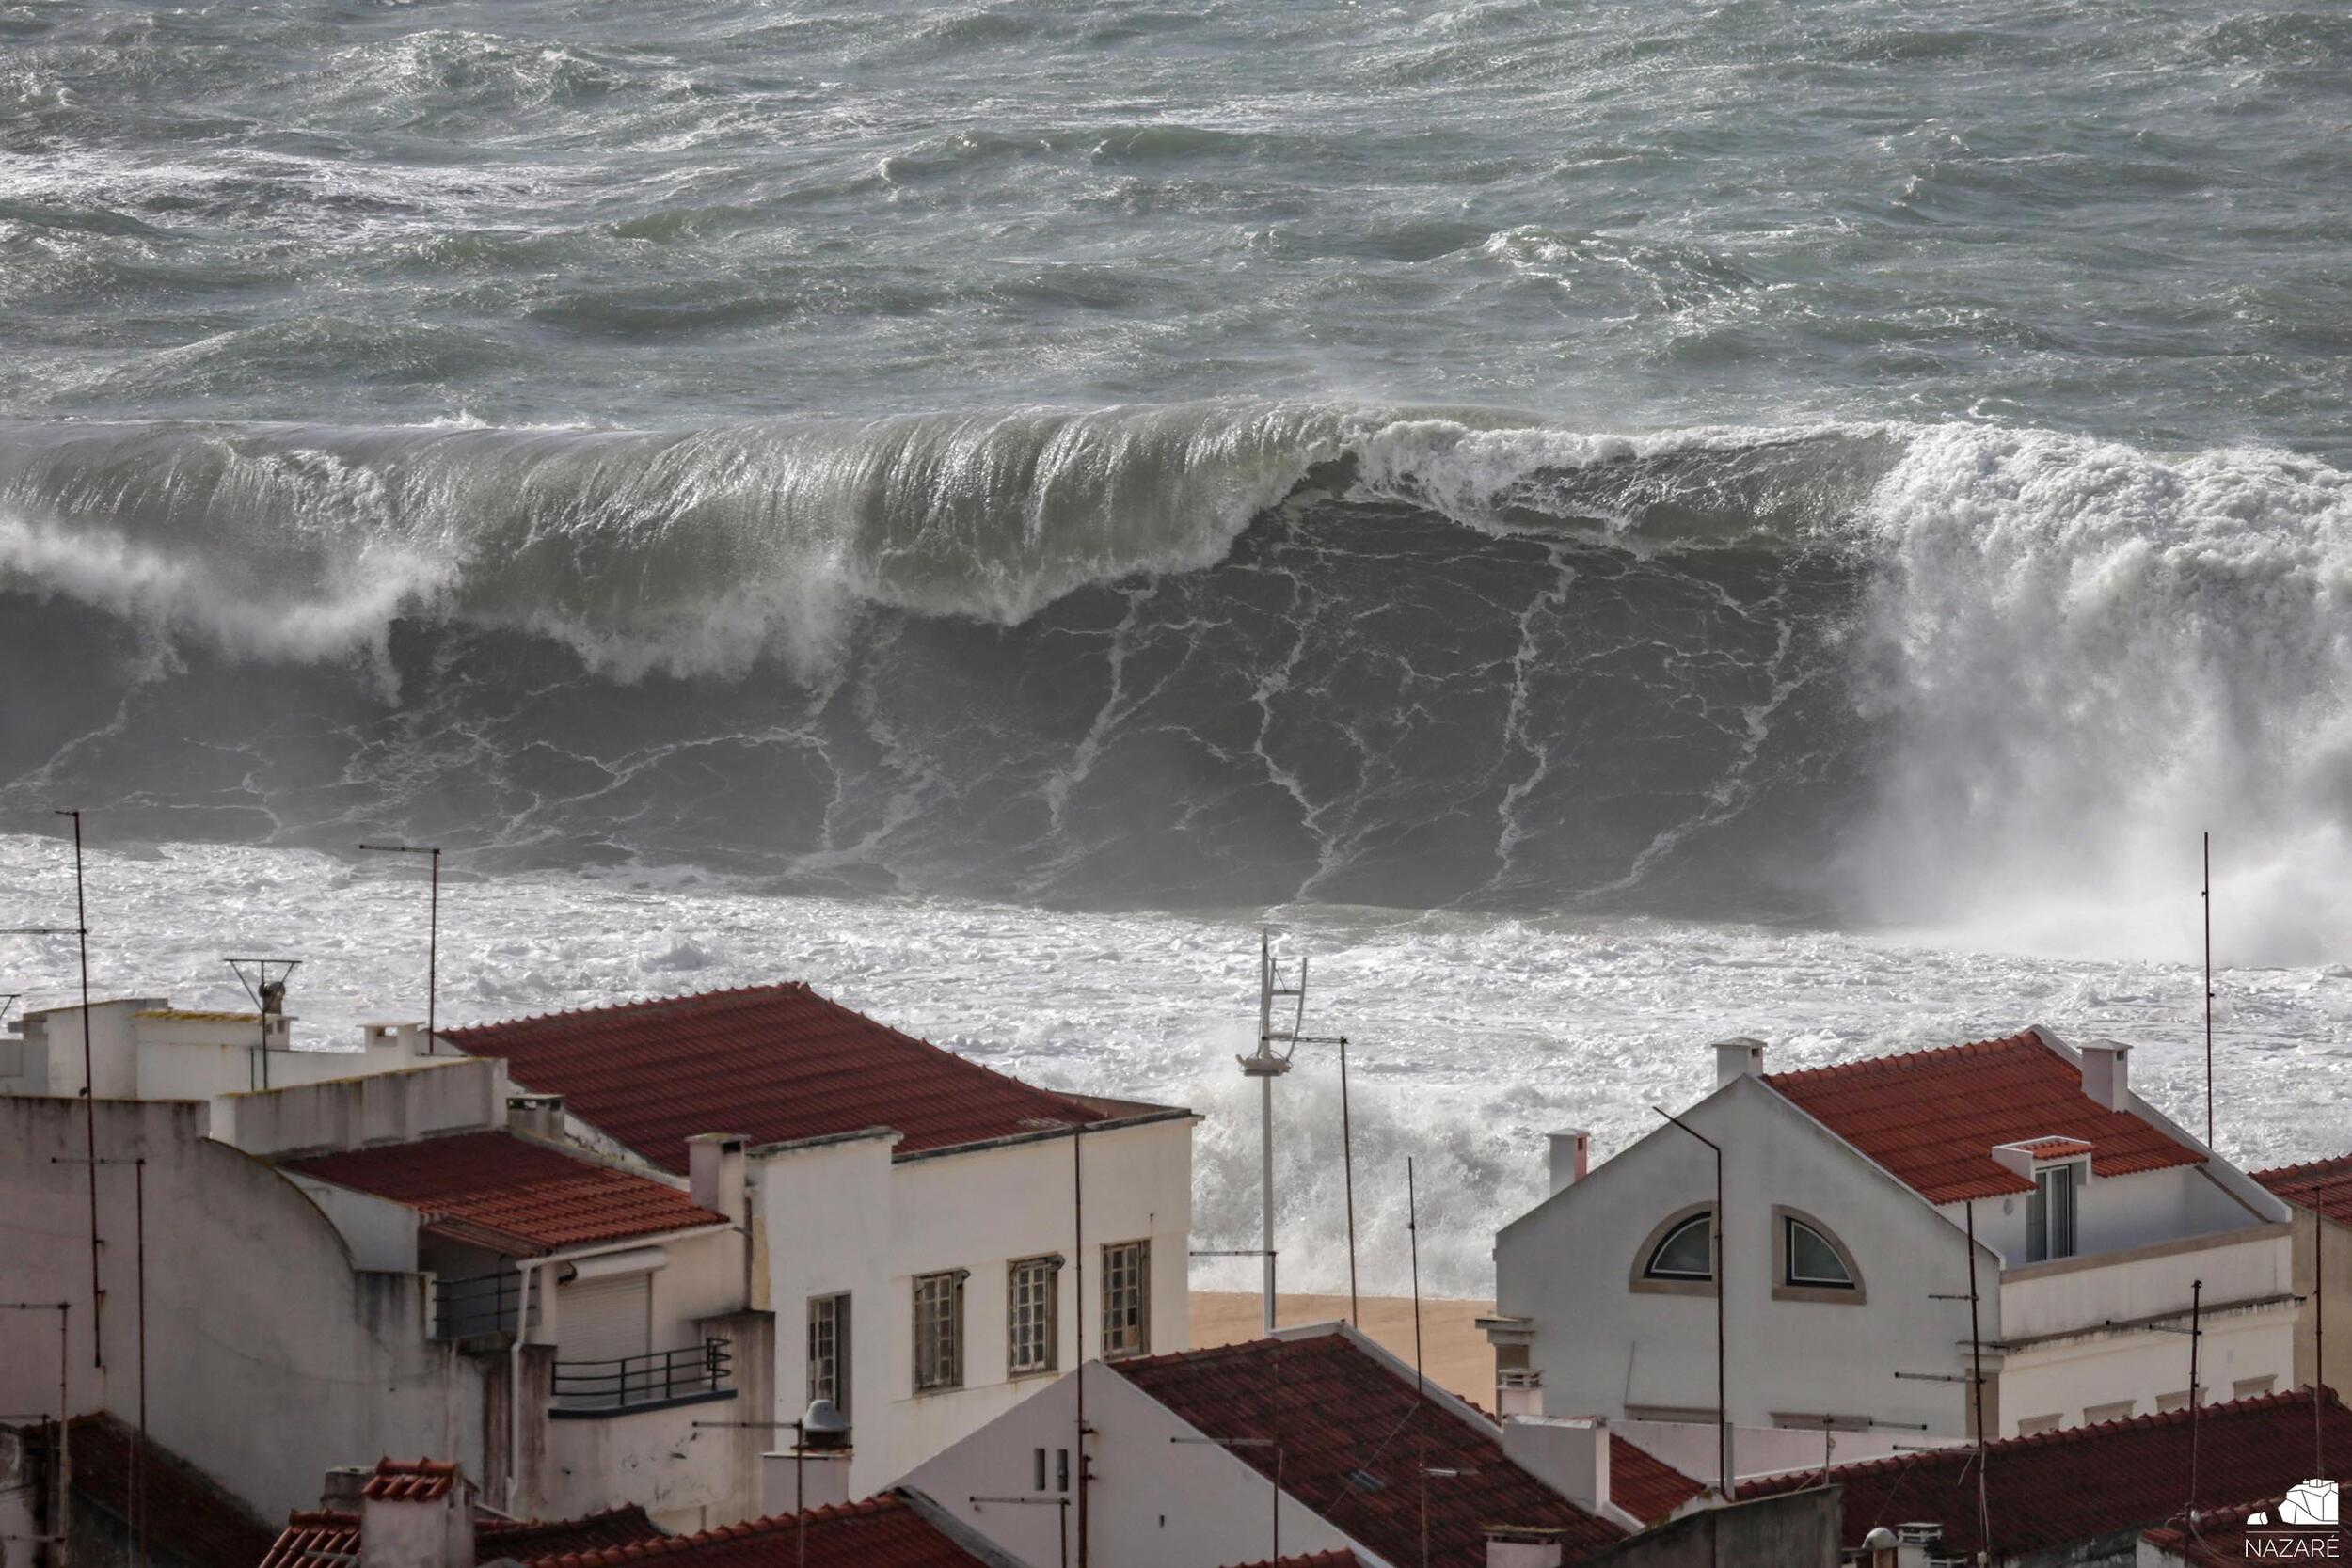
(1613, 523)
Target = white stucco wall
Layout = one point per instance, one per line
(1602, 1347)
(1155, 1502)
(843, 1216)
(269, 1357)
(454, 1094)
(2114, 1214)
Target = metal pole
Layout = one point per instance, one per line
(1412, 1234)
(1078, 1300)
(64, 1424)
(2319, 1342)
(799, 1494)
(138, 1188)
(1975, 1357)
(1723, 1419)
(1347, 1163)
(90, 1105)
(1265, 1119)
(2196, 1405)
(432, 960)
(2207, 897)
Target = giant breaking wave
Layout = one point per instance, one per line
(1216, 656)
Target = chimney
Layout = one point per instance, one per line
(1518, 1391)
(2107, 1075)
(814, 1471)
(537, 1116)
(416, 1513)
(1571, 1157)
(1738, 1058)
(342, 1489)
(1570, 1456)
(715, 1172)
(1511, 1546)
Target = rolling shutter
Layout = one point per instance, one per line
(603, 1319)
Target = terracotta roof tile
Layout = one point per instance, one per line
(410, 1480)
(2324, 1185)
(1355, 1437)
(1644, 1486)
(314, 1535)
(773, 1063)
(880, 1532)
(514, 1195)
(2086, 1481)
(1932, 1118)
(188, 1514)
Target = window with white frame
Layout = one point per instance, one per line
(1812, 1258)
(2050, 1213)
(938, 1330)
(1686, 1252)
(1126, 1299)
(829, 1350)
(1031, 1285)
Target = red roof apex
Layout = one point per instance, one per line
(1932, 1119)
(776, 1063)
(1343, 1413)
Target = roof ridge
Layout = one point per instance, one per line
(2331, 1163)
(607, 1007)
(1892, 1059)
(743, 1529)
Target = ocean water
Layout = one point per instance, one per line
(1610, 524)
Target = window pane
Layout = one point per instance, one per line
(829, 1350)
(938, 1330)
(1812, 1260)
(1030, 1314)
(1687, 1253)
(1126, 1299)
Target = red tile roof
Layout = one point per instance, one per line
(1932, 1118)
(773, 1063)
(2324, 1185)
(2086, 1481)
(1354, 1439)
(1644, 1486)
(312, 1535)
(1342, 1558)
(519, 1196)
(189, 1516)
(880, 1532)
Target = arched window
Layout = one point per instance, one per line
(1809, 1263)
(1687, 1251)
(1813, 1259)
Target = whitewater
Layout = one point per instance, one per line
(1608, 528)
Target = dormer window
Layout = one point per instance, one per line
(2050, 1212)
(1688, 1251)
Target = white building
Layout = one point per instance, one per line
(1848, 1193)
(144, 1048)
(340, 1270)
(915, 1217)
(1183, 1453)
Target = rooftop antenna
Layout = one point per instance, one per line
(1266, 1066)
(2206, 897)
(2196, 1400)
(80, 931)
(1078, 1300)
(433, 933)
(264, 980)
(1412, 1235)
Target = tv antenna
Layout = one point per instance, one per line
(1266, 1065)
(264, 981)
(433, 934)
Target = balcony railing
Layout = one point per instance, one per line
(661, 1377)
(483, 1304)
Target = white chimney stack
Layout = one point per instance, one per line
(1570, 1455)
(715, 1172)
(1509, 1547)
(2106, 1075)
(416, 1514)
(1571, 1157)
(1738, 1058)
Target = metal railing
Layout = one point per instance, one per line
(658, 1376)
(483, 1304)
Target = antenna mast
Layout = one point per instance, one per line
(265, 982)
(1266, 1066)
(433, 935)
(2207, 898)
